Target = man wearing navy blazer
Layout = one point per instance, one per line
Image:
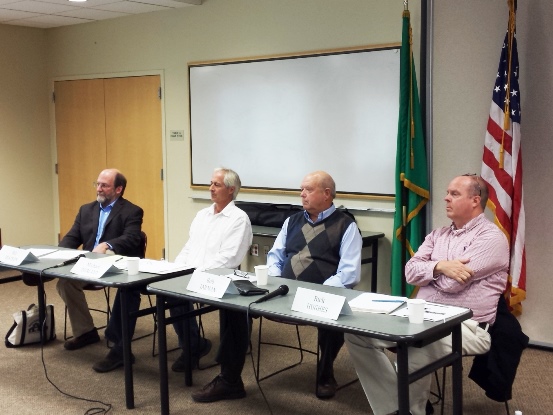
(111, 223)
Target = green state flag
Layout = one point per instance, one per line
(411, 171)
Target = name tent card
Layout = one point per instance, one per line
(94, 268)
(16, 256)
(320, 304)
(210, 284)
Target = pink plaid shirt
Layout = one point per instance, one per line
(485, 245)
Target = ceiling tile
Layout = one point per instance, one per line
(94, 14)
(15, 14)
(53, 13)
(39, 7)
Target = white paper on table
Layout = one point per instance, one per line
(39, 252)
(152, 266)
(376, 303)
(434, 312)
(64, 254)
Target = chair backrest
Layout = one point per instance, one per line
(495, 371)
(143, 244)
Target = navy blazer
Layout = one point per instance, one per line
(121, 231)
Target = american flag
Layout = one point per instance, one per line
(502, 164)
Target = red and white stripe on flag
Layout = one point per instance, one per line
(502, 167)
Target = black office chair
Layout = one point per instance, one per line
(495, 370)
(299, 347)
(107, 311)
(106, 290)
(143, 291)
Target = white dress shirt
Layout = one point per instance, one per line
(217, 240)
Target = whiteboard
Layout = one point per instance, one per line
(275, 120)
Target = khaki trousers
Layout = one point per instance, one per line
(71, 292)
(377, 373)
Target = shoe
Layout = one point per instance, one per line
(112, 361)
(83, 340)
(180, 364)
(429, 408)
(326, 389)
(219, 389)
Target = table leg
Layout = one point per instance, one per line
(41, 309)
(374, 264)
(403, 378)
(188, 350)
(457, 375)
(162, 342)
(127, 359)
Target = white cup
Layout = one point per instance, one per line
(132, 265)
(262, 274)
(415, 308)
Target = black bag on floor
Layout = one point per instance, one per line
(26, 327)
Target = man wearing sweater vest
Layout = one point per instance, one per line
(320, 245)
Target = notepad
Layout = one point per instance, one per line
(376, 303)
(434, 312)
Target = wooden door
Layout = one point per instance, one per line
(81, 144)
(134, 145)
(111, 123)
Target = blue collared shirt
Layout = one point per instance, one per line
(104, 213)
(348, 273)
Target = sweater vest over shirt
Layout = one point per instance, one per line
(313, 250)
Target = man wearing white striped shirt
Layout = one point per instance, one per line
(464, 264)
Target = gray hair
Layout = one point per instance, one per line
(231, 179)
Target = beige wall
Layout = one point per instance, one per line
(26, 210)
(467, 38)
(467, 42)
(165, 42)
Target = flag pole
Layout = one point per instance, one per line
(404, 196)
(411, 177)
(403, 240)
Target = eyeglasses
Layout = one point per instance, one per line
(240, 273)
(475, 177)
(101, 185)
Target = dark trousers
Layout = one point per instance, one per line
(179, 308)
(114, 330)
(235, 339)
(330, 343)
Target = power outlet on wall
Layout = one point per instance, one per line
(254, 250)
(265, 250)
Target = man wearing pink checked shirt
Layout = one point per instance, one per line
(464, 264)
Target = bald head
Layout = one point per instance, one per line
(318, 190)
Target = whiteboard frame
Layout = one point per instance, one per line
(202, 183)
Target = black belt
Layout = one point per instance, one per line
(484, 326)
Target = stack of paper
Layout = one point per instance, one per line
(376, 303)
(159, 267)
(434, 312)
(59, 254)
